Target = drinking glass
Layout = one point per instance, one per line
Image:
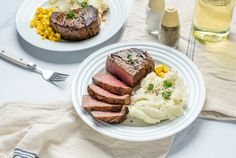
(212, 19)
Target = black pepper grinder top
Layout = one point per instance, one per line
(170, 28)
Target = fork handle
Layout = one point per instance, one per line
(16, 60)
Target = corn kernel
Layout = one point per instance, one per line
(41, 22)
(158, 70)
(165, 69)
(49, 29)
(46, 16)
(46, 33)
(40, 16)
(47, 23)
(57, 35)
(40, 32)
(32, 24)
(40, 9)
(161, 70)
(44, 22)
(162, 74)
(39, 27)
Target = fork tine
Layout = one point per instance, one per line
(54, 81)
(61, 74)
(57, 78)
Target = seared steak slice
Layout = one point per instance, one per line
(105, 96)
(84, 24)
(111, 83)
(130, 65)
(91, 104)
(111, 117)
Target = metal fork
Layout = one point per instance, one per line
(48, 75)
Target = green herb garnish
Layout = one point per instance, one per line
(129, 57)
(167, 84)
(71, 15)
(166, 95)
(150, 87)
(84, 4)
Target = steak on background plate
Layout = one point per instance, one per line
(130, 65)
(107, 97)
(110, 83)
(91, 104)
(111, 117)
(78, 24)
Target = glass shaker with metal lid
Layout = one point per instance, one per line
(154, 12)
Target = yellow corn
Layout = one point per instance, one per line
(49, 29)
(162, 74)
(58, 35)
(32, 24)
(41, 22)
(165, 69)
(39, 27)
(158, 70)
(161, 70)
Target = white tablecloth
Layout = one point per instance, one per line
(203, 137)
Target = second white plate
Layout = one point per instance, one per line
(161, 54)
(115, 19)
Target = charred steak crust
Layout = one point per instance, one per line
(107, 97)
(111, 83)
(111, 117)
(85, 25)
(130, 65)
(91, 104)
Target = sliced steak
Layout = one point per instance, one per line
(91, 104)
(130, 65)
(111, 117)
(84, 23)
(105, 96)
(110, 83)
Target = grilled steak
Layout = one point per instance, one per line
(130, 65)
(111, 83)
(82, 24)
(91, 104)
(105, 96)
(111, 117)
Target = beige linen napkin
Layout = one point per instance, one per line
(217, 61)
(56, 131)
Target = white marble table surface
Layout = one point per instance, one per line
(203, 139)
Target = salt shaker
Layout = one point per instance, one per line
(154, 13)
(170, 28)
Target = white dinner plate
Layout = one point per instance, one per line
(115, 18)
(195, 88)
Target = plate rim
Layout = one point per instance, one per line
(103, 40)
(150, 44)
